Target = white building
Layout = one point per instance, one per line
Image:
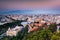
(58, 27)
(13, 31)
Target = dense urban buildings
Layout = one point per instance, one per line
(11, 25)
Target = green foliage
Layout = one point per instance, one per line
(19, 36)
(43, 34)
(53, 27)
(55, 36)
(4, 28)
(40, 35)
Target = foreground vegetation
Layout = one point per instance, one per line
(42, 34)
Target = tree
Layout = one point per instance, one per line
(23, 33)
(55, 36)
(20, 35)
(39, 35)
(44, 34)
(53, 27)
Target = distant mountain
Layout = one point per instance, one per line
(43, 11)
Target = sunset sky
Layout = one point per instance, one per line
(21, 7)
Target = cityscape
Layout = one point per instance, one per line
(11, 25)
(30, 20)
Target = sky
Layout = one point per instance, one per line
(30, 7)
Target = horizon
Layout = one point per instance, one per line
(41, 11)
